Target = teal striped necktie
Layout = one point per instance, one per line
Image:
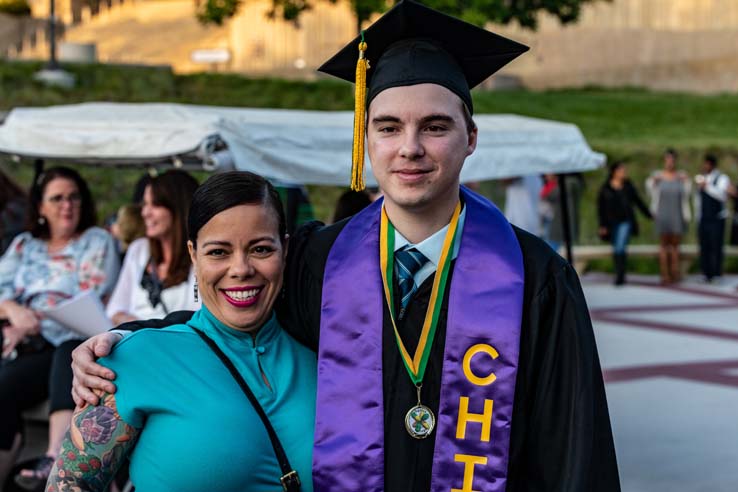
(408, 261)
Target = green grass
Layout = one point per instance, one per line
(627, 124)
(629, 121)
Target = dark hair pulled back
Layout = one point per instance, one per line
(230, 189)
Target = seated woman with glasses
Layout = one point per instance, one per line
(61, 255)
(156, 277)
(186, 409)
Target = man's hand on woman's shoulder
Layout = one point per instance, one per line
(88, 374)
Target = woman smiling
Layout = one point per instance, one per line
(156, 276)
(243, 392)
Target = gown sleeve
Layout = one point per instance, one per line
(561, 439)
(298, 307)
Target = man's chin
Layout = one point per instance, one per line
(411, 202)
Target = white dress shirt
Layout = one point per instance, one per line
(432, 247)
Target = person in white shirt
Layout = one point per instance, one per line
(157, 277)
(522, 196)
(712, 193)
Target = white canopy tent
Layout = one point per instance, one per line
(309, 147)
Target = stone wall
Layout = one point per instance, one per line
(264, 46)
(683, 45)
(695, 61)
(686, 45)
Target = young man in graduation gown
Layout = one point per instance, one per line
(455, 351)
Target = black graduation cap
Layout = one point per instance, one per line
(413, 44)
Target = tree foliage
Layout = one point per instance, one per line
(478, 12)
(524, 12)
(16, 8)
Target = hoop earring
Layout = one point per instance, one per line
(197, 294)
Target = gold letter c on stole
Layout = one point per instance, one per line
(474, 350)
(464, 416)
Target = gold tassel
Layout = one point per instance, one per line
(357, 168)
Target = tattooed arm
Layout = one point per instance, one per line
(95, 446)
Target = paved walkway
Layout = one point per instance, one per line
(670, 358)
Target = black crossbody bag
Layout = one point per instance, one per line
(290, 480)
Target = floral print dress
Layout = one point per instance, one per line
(33, 277)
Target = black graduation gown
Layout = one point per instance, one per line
(561, 438)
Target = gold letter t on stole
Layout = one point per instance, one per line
(469, 463)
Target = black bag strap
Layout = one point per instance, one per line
(290, 480)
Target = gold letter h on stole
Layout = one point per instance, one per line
(465, 417)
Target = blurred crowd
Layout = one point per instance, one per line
(675, 199)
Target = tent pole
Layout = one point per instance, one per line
(565, 223)
(38, 169)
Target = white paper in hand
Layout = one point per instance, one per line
(83, 313)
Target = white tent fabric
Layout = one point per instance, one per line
(311, 147)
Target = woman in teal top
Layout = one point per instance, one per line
(178, 413)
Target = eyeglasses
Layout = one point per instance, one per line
(72, 198)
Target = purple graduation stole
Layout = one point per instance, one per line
(479, 363)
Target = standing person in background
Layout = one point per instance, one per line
(522, 196)
(669, 189)
(547, 208)
(61, 255)
(552, 222)
(157, 275)
(712, 193)
(617, 219)
(13, 203)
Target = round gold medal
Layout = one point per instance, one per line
(420, 421)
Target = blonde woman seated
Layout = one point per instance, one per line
(128, 226)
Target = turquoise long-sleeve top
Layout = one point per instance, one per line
(198, 431)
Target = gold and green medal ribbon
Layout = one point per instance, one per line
(416, 364)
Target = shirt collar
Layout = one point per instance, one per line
(211, 325)
(432, 246)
